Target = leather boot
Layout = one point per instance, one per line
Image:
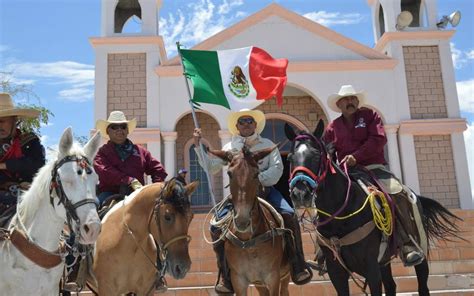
(223, 284)
(410, 253)
(301, 273)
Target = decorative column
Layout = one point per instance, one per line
(393, 154)
(169, 139)
(408, 159)
(225, 137)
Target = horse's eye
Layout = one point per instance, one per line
(88, 170)
(229, 173)
(168, 218)
(79, 172)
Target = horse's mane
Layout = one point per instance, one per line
(30, 200)
(174, 193)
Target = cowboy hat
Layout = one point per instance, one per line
(257, 115)
(346, 91)
(115, 117)
(8, 109)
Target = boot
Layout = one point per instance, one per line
(223, 284)
(301, 273)
(410, 253)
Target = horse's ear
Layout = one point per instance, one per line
(257, 155)
(289, 132)
(65, 143)
(190, 188)
(224, 155)
(90, 149)
(169, 187)
(318, 131)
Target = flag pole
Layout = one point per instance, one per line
(196, 125)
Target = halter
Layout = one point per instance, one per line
(311, 178)
(57, 186)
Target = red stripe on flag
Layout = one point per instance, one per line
(268, 75)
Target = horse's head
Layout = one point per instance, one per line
(173, 216)
(309, 163)
(73, 186)
(243, 182)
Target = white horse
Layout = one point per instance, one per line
(32, 256)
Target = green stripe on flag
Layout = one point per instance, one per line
(202, 67)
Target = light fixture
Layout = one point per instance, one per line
(404, 19)
(454, 19)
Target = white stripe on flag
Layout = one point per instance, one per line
(228, 59)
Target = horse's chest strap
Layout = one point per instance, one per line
(34, 252)
(268, 235)
(350, 238)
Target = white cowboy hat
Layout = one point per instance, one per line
(115, 117)
(8, 109)
(257, 115)
(346, 91)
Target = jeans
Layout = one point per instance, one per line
(103, 196)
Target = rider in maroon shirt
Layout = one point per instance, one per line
(359, 138)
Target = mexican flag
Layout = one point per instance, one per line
(235, 79)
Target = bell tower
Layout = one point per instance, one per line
(431, 144)
(125, 77)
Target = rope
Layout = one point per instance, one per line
(223, 223)
(382, 217)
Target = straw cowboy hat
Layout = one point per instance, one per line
(257, 115)
(8, 109)
(346, 91)
(115, 117)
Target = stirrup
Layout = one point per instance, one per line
(306, 280)
(222, 289)
(161, 285)
(320, 268)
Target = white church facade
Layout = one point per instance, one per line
(408, 76)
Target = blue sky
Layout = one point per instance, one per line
(45, 43)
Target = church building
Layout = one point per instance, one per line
(408, 76)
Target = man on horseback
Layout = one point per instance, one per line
(245, 127)
(21, 154)
(359, 137)
(120, 164)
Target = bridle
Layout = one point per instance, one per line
(302, 173)
(56, 185)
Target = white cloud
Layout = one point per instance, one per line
(466, 95)
(469, 140)
(3, 48)
(460, 58)
(200, 20)
(328, 19)
(75, 79)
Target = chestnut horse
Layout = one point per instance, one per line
(254, 242)
(317, 182)
(151, 222)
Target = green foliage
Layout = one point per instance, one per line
(24, 93)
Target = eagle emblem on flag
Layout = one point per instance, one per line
(239, 85)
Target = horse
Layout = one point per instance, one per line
(254, 245)
(150, 223)
(32, 254)
(316, 181)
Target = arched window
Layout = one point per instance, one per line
(125, 11)
(201, 196)
(381, 21)
(413, 6)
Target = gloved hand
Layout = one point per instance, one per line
(135, 184)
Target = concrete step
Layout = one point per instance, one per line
(439, 285)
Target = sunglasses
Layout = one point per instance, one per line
(248, 120)
(118, 126)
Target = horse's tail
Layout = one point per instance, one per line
(438, 221)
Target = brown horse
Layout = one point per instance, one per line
(254, 241)
(153, 221)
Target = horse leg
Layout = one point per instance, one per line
(374, 278)
(338, 275)
(422, 273)
(239, 283)
(284, 283)
(262, 290)
(387, 280)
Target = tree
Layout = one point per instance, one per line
(25, 93)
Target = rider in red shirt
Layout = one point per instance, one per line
(359, 138)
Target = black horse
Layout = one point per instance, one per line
(318, 182)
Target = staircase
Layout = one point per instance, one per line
(451, 267)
